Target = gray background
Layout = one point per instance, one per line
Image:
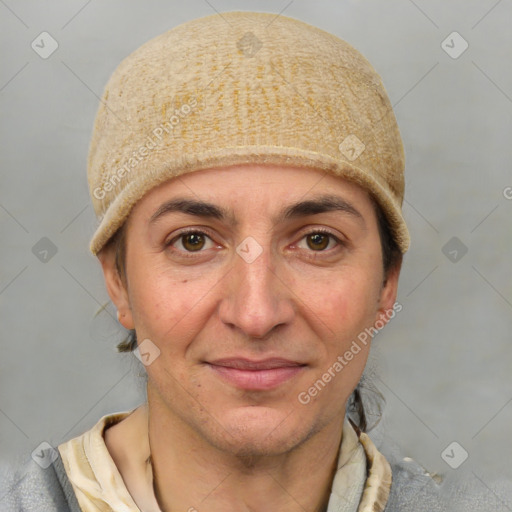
(444, 363)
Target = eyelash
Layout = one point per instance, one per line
(193, 254)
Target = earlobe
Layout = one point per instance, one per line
(116, 289)
(120, 317)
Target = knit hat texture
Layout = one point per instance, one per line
(242, 87)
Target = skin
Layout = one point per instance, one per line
(216, 446)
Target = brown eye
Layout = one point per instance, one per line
(193, 244)
(318, 241)
(193, 241)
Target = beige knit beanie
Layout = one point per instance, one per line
(242, 87)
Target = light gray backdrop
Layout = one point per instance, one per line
(444, 363)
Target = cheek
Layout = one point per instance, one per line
(169, 309)
(342, 308)
(153, 305)
(344, 303)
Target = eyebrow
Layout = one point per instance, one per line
(320, 204)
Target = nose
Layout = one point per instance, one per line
(257, 297)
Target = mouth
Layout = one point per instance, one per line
(255, 375)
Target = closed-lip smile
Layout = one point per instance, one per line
(251, 374)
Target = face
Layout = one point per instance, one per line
(255, 284)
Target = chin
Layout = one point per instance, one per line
(253, 431)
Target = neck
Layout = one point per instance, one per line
(192, 474)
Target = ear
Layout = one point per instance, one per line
(387, 307)
(116, 288)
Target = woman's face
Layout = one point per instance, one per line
(250, 287)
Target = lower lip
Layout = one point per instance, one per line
(257, 380)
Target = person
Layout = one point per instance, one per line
(247, 171)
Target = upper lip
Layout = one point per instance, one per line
(242, 363)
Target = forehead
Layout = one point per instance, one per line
(249, 186)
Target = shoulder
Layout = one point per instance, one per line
(30, 487)
(39, 482)
(414, 488)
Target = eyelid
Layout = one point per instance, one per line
(319, 229)
(206, 231)
(186, 231)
